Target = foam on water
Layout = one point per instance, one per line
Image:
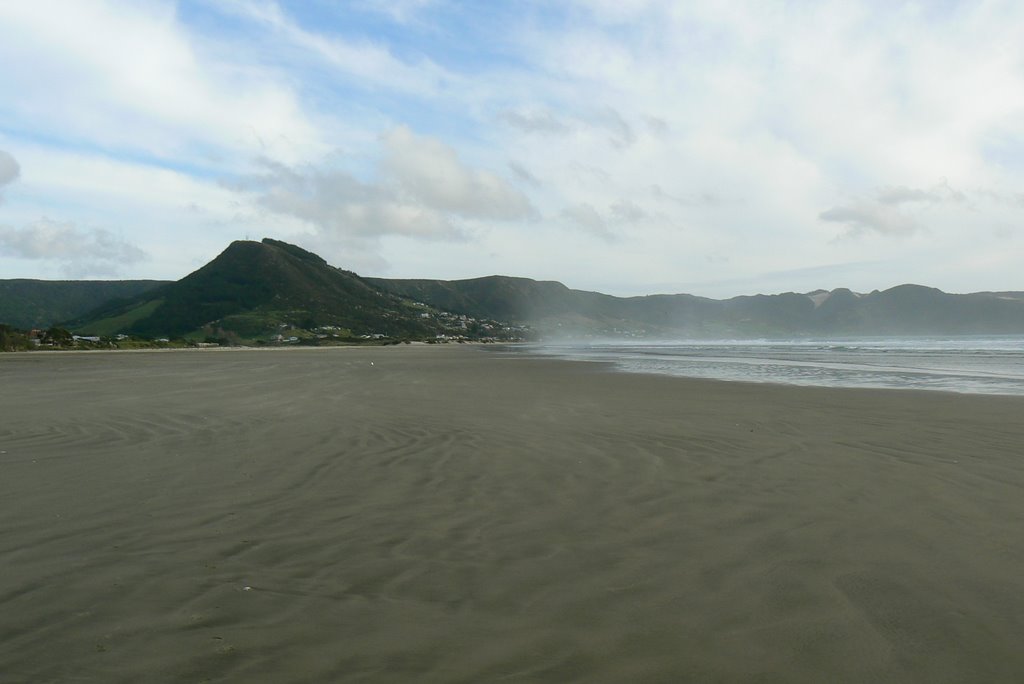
(979, 365)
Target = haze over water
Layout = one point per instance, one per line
(976, 365)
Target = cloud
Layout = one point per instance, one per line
(698, 199)
(535, 121)
(423, 190)
(399, 11)
(9, 171)
(9, 168)
(523, 173)
(80, 251)
(627, 211)
(901, 194)
(430, 172)
(885, 212)
(862, 217)
(587, 218)
(584, 216)
(608, 119)
(365, 62)
(136, 79)
(657, 125)
(767, 129)
(1011, 199)
(622, 132)
(895, 196)
(340, 205)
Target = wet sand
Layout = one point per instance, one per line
(457, 515)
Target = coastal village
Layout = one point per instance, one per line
(455, 328)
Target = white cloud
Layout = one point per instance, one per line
(703, 143)
(423, 191)
(587, 218)
(430, 172)
(340, 205)
(367, 63)
(81, 252)
(543, 121)
(607, 225)
(773, 119)
(901, 194)
(628, 211)
(173, 216)
(400, 11)
(523, 173)
(691, 199)
(893, 210)
(622, 132)
(9, 168)
(865, 216)
(9, 171)
(133, 78)
(534, 121)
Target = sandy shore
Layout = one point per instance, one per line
(456, 515)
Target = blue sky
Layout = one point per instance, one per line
(626, 147)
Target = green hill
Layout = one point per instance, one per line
(255, 289)
(30, 304)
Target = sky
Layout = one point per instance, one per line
(627, 147)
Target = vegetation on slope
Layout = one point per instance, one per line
(256, 290)
(554, 309)
(262, 291)
(41, 303)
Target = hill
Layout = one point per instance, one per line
(556, 310)
(30, 304)
(254, 290)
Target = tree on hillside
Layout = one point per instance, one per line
(12, 339)
(58, 337)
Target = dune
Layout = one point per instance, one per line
(461, 515)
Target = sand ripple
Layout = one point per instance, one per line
(452, 515)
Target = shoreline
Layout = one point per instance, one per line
(245, 348)
(971, 381)
(497, 348)
(456, 516)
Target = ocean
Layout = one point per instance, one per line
(975, 365)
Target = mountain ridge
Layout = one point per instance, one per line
(903, 309)
(254, 288)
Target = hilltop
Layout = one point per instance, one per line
(257, 291)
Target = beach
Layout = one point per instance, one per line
(457, 514)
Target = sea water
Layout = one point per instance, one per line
(979, 365)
